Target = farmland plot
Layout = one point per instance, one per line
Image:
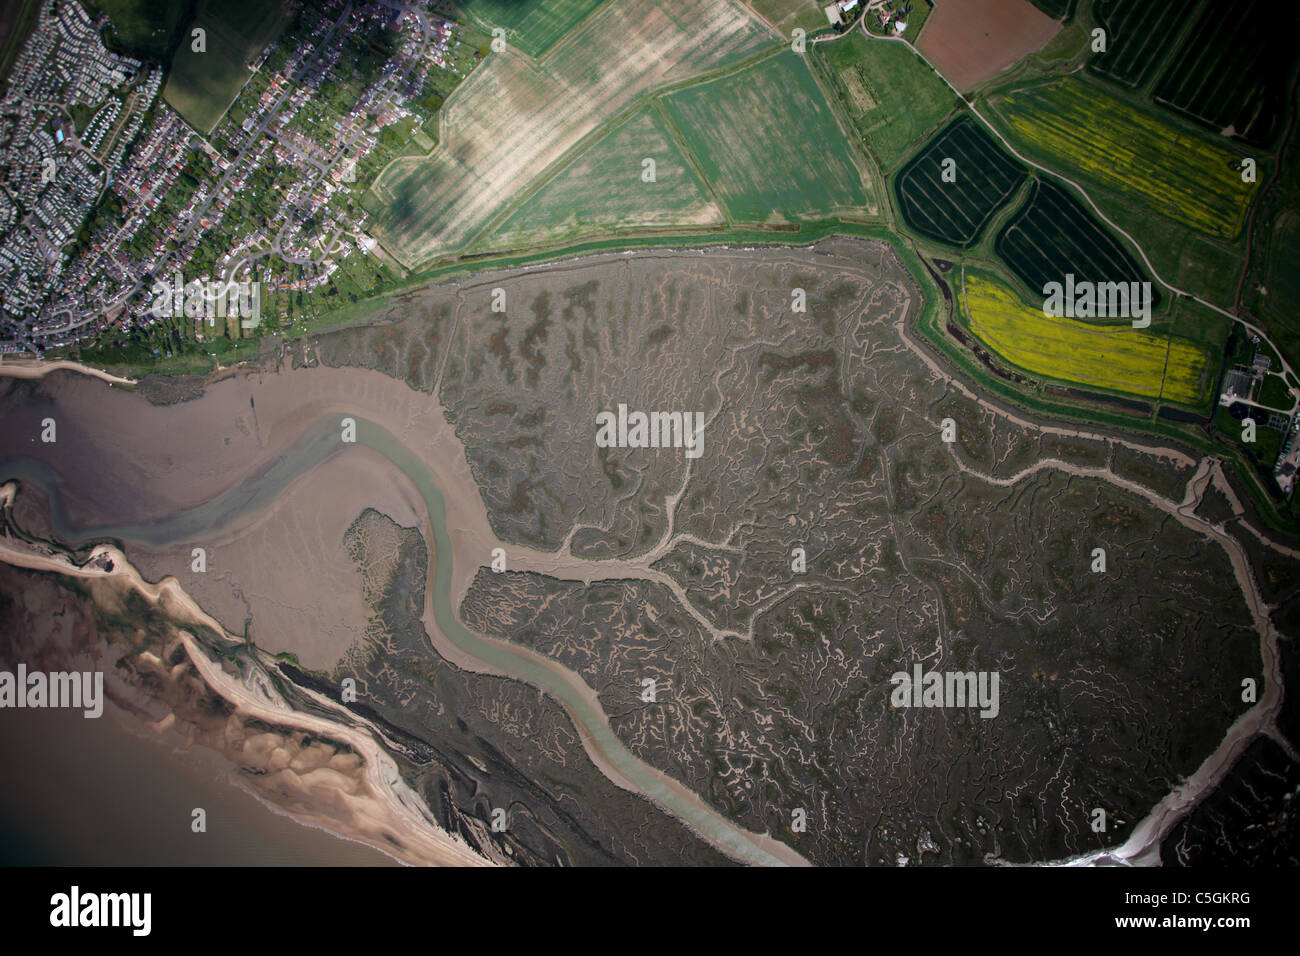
(894, 99)
(1114, 358)
(770, 146)
(1231, 73)
(532, 25)
(1083, 129)
(201, 86)
(514, 118)
(606, 188)
(1137, 37)
(1056, 9)
(970, 41)
(786, 15)
(1054, 235)
(953, 207)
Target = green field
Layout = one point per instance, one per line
(894, 99)
(1056, 9)
(16, 22)
(1281, 305)
(1189, 319)
(201, 86)
(1275, 394)
(534, 26)
(603, 189)
(515, 122)
(1263, 451)
(785, 15)
(769, 145)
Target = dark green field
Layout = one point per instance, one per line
(201, 86)
(1233, 68)
(1137, 37)
(956, 212)
(1054, 234)
(142, 28)
(16, 22)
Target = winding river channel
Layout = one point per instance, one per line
(318, 443)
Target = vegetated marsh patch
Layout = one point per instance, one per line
(769, 144)
(1053, 235)
(1086, 131)
(608, 187)
(202, 85)
(1116, 358)
(953, 186)
(514, 118)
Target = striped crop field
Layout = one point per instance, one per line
(1054, 234)
(983, 176)
(514, 120)
(769, 145)
(1137, 37)
(1110, 357)
(1088, 132)
(603, 190)
(532, 25)
(1233, 71)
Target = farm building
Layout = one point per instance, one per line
(1238, 383)
(837, 11)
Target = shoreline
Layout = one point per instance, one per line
(38, 368)
(390, 807)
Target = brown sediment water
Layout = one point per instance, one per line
(104, 792)
(206, 467)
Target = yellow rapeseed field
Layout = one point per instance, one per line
(1100, 137)
(1114, 357)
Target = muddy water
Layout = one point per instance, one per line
(319, 442)
(81, 792)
